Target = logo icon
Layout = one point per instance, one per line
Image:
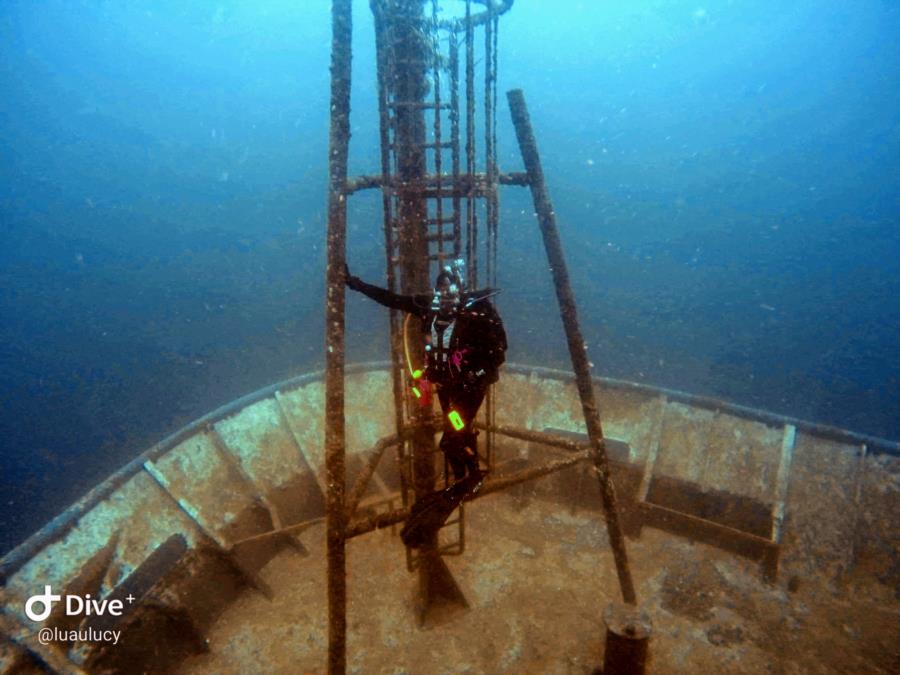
(46, 600)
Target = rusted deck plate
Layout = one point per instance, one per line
(538, 579)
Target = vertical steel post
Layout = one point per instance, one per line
(454, 137)
(338, 145)
(547, 219)
(409, 89)
(471, 207)
(384, 71)
(411, 53)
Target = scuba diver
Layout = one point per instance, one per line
(465, 345)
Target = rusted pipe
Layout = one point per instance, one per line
(533, 473)
(335, 518)
(536, 437)
(296, 528)
(498, 7)
(362, 481)
(569, 314)
(479, 186)
(381, 520)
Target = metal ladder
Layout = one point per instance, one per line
(442, 233)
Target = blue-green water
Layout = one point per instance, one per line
(725, 175)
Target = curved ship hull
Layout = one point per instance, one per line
(735, 518)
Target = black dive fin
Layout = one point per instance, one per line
(430, 513)
(427, 516)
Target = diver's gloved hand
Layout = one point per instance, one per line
(352, 282)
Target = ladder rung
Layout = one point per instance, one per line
(453, 548)
(440, 238)
(426, 146)
(434, 193)
(417, 104)
(426, 193)
(441, 221)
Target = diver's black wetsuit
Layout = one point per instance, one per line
(462, 363)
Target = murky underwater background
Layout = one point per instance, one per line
(725, 175)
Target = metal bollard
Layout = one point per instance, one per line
(627, 637)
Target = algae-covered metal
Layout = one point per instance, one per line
(753, 490)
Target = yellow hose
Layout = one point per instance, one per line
(406, 345)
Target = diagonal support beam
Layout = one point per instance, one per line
(218, 543)
(362, 481)
(577, 351)
(381, 520)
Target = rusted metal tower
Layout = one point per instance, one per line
(432, 214)
(439, 182)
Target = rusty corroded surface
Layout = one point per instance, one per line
(267, 452)
(370, 408)
(15, 659)
(821, 509)
(262, 444)
(875, 570)
(304, 412)
(198, 476)
(537, 579)
(718, 450)
(832, 608)
(143, 517)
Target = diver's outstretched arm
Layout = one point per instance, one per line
(405, 303)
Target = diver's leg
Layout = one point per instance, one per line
(472, 402)
(453, 445)
(461, 445)
(468, 405)
(452, 442)
(458, 445)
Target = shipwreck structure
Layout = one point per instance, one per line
(434, 211)
(261, 538)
